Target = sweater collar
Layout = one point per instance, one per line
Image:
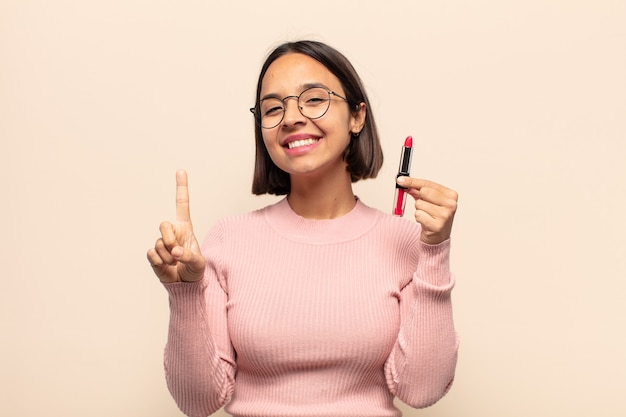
(350, 226)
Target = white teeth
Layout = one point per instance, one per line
(302, 142)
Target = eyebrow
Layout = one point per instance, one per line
(303, 87)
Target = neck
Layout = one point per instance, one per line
(321, 198)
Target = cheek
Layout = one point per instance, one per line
(338, 129)
(340, 123)
(269, 140)
(271, 145)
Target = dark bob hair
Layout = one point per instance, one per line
(363, 155)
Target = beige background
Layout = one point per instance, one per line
(520, 106)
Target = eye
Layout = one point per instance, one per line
(271, 107)
(314, 97)
(271, 111)
(312, 101)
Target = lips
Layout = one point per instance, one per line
(299, 140)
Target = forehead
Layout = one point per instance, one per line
(291, 72)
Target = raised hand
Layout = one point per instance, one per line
(435, 206)
(176, 255)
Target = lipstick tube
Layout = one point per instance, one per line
(403, 171)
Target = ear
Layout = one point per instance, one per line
(357, 119)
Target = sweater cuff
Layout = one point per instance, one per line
(181, 293)
(434, 264)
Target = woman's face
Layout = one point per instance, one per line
(302, 146)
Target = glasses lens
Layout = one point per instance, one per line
(271, 112)
(314, 102)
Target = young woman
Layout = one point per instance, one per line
(317, 305)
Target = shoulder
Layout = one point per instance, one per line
(236, 225)
(241, 222)
(400, 227)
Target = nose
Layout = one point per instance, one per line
(293, 115)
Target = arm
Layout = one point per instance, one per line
(421, 367)
(199, 358)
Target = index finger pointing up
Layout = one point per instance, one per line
(182, 197)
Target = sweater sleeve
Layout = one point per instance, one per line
(199, 358)
(421, 367)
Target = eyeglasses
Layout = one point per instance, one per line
(313, 103)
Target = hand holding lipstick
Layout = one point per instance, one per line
(435, 206)
(176, 255)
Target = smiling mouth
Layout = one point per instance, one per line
(303, 142)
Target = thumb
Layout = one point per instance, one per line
(193, 263)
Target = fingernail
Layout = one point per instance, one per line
(401, 180)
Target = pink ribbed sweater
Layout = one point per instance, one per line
(300, 317)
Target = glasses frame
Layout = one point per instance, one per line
(257, 116)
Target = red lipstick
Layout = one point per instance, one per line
(403, 171)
